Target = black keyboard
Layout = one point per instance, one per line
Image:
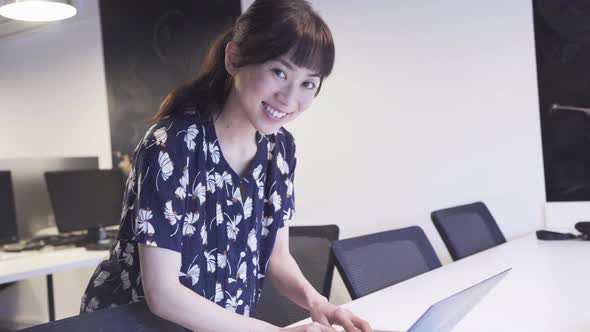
(78, 240)
(57, 240)
(99, 246)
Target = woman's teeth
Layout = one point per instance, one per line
(273, 112)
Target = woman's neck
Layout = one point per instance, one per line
(233, 127)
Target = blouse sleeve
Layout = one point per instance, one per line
(162, 177)
(288, 192)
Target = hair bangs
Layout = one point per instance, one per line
(314, 49)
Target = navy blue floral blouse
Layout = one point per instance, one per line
(182, 195)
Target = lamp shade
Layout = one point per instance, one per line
(37, 10)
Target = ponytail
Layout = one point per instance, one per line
(208, 91)
(268, 29)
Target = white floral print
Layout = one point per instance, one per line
(188, 229)
(189, 138)
(166, 165)
(142, 221)
(182, 195)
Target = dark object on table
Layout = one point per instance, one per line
(583, 227)
(554, 236)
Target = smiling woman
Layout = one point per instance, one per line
(295, 37)
(211, 189)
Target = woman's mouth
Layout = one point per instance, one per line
(272, 112)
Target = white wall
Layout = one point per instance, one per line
(53, 104)
(52, 91)
(431, 104)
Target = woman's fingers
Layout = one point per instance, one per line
(322, 319)
(317, 327)
(350, 322)
(361, 324)
(312, 327)
(343, 317)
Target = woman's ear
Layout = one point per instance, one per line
(231, 55)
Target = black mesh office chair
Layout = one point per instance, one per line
(310, 247)
(131, 317)
(467, 229)
(372, 262)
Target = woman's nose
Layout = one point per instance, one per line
(286, 96)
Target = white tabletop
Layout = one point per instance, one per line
(548, 289)
(35, 263)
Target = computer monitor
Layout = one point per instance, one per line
(8, 225)
(33, 209)
(86, 200)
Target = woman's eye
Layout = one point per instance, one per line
(309, 85)
(280, 73)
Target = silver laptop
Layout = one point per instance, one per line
(445, 314)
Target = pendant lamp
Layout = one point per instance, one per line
(37, 10)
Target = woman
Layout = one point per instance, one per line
(211, 187)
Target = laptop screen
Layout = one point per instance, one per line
(445, 314)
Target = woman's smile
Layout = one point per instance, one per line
(273, 113)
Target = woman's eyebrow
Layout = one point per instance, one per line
(285, 63)
(290, 66)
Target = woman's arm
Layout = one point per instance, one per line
(285, 275)
(169, 299)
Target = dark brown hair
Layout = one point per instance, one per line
(267, 30)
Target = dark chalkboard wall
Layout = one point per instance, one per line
(150, 47)
(562, 34)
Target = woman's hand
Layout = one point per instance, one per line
(329, 314)
(312, 327)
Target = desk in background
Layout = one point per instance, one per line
(37, 263)
(547, 290)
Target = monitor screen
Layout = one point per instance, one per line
(85, 199)
(33, 209)
(8, 226)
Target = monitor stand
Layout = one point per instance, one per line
(97, 239)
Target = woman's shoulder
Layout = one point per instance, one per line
(178, 133)
(285, 138)
(282, 136)
(284, 142)
(285, 135)
(186, 115)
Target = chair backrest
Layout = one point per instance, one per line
(467, 229)
(310, 246)
(125, 318)
(372, 262)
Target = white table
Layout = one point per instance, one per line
(36, 263)
(548, 289)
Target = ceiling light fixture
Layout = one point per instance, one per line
(37, 10)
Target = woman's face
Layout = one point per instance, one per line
(274, 93)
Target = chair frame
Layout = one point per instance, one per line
(412, 233)
(480, 208)
(330, 232)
